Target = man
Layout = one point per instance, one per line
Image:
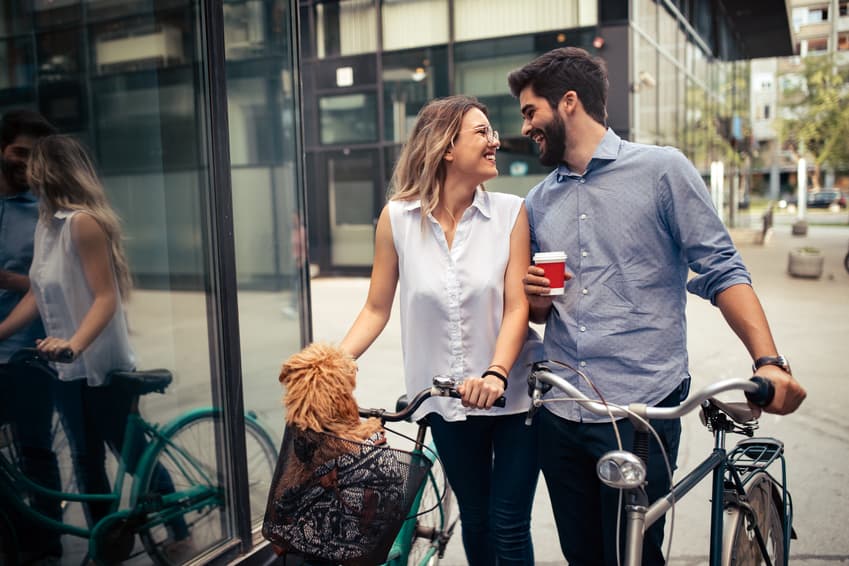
(25, 393)
(633, 219)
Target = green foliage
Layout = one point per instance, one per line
(820, 109)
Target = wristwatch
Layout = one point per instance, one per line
(778, 360)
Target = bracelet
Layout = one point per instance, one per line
(499, 375)
(500, 367)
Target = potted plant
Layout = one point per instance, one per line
(805, 262)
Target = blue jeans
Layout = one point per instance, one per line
(585, 509)
(492, 466)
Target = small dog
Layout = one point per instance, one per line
(319, 382)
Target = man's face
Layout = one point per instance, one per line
(13, 163)
(543, 125)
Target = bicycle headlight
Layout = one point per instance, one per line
(621, 469)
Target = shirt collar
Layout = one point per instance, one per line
(481, 202)
(62, 214)
(607, 150)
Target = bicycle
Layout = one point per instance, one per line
(751, 510)
(175, 493)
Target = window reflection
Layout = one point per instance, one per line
(348, 118)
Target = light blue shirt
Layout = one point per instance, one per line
(633, 225)
(18, 216)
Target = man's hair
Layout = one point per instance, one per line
(23, 122)
(560, 70)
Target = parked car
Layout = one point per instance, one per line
(825, 198)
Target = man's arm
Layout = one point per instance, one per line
(743, 312)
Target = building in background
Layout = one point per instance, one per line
(818, 27)
(678, 75)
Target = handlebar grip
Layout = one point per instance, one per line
(65, 356)
(766, 391)
(500, 402)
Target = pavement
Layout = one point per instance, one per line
(809, 321)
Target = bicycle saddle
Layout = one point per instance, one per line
(740, 412)
(142, 382)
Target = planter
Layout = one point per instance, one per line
(800, 228)
(805, 262)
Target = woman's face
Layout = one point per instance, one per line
(473, 153)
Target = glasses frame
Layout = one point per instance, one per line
(491, 133)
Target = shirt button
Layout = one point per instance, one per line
(584, 291)
(584, 253)
(582, 179)
(583, 364)
(583, 217)
(583, 328)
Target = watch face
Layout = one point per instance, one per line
(779, 361)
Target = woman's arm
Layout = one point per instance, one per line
(384, 278)
(482, 393)
(24, 312)
(94, 251)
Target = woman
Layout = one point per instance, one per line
(78, 279)
(459, 254)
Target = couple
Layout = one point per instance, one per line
(635, 218)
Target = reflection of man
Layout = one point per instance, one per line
(25, 394)
(634, 220)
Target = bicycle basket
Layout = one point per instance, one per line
(336, 500)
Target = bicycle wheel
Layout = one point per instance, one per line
(189, 459)
(8, 546)
(436, 524)
(62, 449)
(745, 550)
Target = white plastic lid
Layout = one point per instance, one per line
(549, 257)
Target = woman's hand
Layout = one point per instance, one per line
(480, 392)
(56, 349)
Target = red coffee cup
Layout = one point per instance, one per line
(554, 265)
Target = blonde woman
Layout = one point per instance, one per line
(78, 280)
(459, 254)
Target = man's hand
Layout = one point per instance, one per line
(537, 287)
(789, 394)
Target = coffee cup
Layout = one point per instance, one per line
(554, 265)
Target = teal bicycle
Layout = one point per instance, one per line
(176, 503)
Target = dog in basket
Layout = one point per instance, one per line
(319, 382)
(338, 493)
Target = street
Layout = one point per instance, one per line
(809, 321)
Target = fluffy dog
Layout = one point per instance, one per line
(319, 382)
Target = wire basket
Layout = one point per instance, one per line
(340, 501)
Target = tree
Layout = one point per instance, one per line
(817, 122)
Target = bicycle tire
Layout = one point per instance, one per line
(435, 526)
(62, 450)
(743, 548)
(8, 545)
(189, 457)
(846, 262)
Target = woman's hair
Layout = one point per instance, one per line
(553, 74)
(63, 175)
(420, 170)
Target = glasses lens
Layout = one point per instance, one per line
(493, 135)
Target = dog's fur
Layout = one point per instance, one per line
(319, 382)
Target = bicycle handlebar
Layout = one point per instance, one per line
(758, 389)
(437, 390)
(65, 356)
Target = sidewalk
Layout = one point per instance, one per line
(809, 321)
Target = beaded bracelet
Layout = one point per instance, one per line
(499, 375)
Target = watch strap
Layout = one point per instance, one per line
(779, 361)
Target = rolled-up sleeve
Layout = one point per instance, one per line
(699, 232)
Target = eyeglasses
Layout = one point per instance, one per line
(487, 131)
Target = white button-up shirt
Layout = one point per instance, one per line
(452, 299)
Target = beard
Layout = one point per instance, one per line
(15, 174)
(555, 142)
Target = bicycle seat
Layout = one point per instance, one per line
(142, 382)
(740, 412)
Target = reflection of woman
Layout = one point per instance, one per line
(459, 254)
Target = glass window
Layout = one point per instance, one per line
(18, 72)
(431, 17)
(479, 19)
(348, 118)
(646, 88)
(346, 27)
(15, 17)
(411, 79)
(667, 109)
(351, 191)
(646, 16)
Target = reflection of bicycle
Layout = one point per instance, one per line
(751, 510)
(176, 498)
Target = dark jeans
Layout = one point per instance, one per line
(585, 509)
(492, 466)
(26, 402)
